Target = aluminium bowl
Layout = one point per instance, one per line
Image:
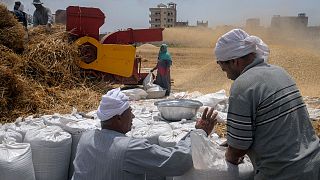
(178, 109)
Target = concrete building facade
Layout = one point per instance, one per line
(253, 23)
(202, 24)
(299, 22)
(163, 16)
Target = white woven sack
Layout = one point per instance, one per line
(171, 138)
(16, 161)
(10, 135)
(51, 149)
(76, 128)
(61, 120)
(210, 164)
(148, 82)
(23, 126)
(213, 99)
(135, 94)
(152, 131)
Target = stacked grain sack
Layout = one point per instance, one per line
(75, 125)
(51, 149)
(16, 161)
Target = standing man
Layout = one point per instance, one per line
(42, 15)
(108, 154)
(267, 118)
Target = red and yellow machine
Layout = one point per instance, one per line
(114, 56)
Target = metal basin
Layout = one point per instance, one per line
(177, 109)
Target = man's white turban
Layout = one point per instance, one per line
(237, 43)
(113, 103)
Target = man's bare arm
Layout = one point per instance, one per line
(235, 156)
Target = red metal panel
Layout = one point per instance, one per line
(83, 21)
(132, 36)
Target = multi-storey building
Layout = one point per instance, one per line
(163, 16)
(299, 22)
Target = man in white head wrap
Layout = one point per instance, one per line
(267, 118)
(113, 103)
(237, 43)
(108, 154)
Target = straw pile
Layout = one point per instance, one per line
(11, 31)
(39, 33)
(16, 95)
(52, 61)
(45, 78)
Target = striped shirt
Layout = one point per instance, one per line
(109, 155)
(268, 117)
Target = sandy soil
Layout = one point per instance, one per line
(195, 69)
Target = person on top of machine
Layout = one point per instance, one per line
(20, 15)
(42, 15)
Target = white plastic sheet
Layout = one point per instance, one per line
(210, 164)
(51, 149)
(16, 162)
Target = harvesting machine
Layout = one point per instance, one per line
(113, 57)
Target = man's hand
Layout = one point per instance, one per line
(48, 27)
(207, 121)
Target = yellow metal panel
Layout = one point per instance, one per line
(112, 58)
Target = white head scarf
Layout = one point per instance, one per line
(113, 103)
(237, 43)
(21, 7)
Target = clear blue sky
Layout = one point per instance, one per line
(122, 14)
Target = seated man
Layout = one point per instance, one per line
(108, 154)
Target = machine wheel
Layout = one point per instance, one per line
(88, 53)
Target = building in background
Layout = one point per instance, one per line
(253, 23)
(299, 22)
(181, 24)
(163, 16)
(202, 24)
(61, 16)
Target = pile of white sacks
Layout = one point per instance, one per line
(44, 148)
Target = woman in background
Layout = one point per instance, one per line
(163, 66)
